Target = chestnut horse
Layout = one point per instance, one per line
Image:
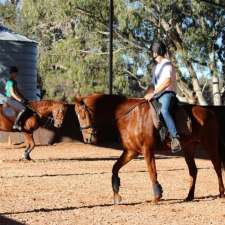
(132, 117)
(40, 112)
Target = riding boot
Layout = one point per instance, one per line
(18, 122)
(175, 145)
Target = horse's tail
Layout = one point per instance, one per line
(222, 151)
(203, 116)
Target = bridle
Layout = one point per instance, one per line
(48, 121)
(90, 111)
(91, 126)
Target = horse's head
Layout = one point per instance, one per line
(87, 126)
(58, 113)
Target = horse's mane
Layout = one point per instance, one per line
(100, 104)
(109, 96)
(103, 99)
(45, 102)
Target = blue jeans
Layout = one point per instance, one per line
(166, 101)
(15, 104)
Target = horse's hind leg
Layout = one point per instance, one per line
(217, 166)
(211, 145)
(214, 156)
(124, 159)
(189, 158)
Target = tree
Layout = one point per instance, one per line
(73, 40)
(8, 14)
(73, 44)
(191, 29)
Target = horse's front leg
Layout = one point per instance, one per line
(124, 159)
(157, 188)
(29, 141)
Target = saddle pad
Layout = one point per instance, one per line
(3, 98)
(8, 112)
(183, 121)
(155, 107)
(181, 118)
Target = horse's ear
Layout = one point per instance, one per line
(78, 95)
(78, 99)
(75, 100)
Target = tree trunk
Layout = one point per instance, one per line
(194, 79)
(216, 91)
(186, 95)
(177, 41)
(217, 100)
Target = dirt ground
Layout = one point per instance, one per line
(70, 184)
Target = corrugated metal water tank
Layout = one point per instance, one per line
(17, 50)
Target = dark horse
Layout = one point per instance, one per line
(132, 117)
(40, 111)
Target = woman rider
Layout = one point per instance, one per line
(15, 98)
(164, 82)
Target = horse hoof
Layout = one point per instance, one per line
(156, 200)
(222, 195)
(158, 191)
(26, 158)
(189, 199)
(117, 199)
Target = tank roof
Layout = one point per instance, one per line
(8, 35)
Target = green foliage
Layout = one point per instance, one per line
(73, 45)
(73, 41)
(8, 14)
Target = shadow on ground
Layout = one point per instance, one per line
(167, 201)
(6, 221)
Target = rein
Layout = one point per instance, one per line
(117, 118)
(129, 110)
(93, 132)
(48, 120)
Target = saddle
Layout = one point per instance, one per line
(181, 118)
(9, 112)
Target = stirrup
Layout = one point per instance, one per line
(175, 147)
(17, 127)
(175, 150)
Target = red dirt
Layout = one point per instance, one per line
(70, 184)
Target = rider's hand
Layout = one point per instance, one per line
(24, 101)
(149, 96)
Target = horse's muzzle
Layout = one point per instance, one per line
(92, 139)
(57, 124)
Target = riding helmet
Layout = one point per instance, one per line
(159, 47)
